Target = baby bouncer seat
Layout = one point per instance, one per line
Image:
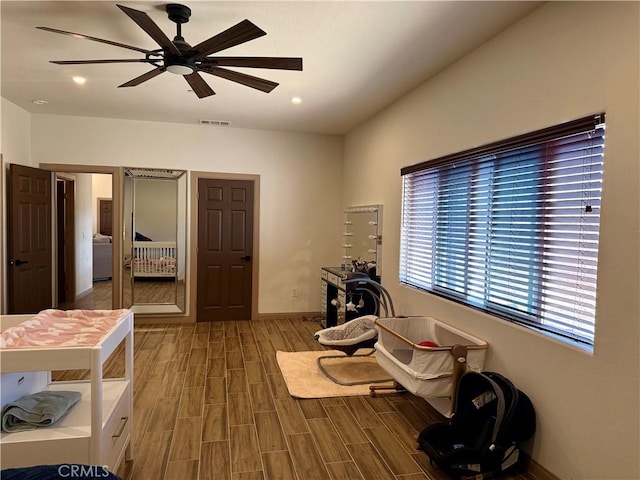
(358, 333)
(350, 336)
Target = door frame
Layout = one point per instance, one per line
(117, 196)
(3, 244)
(192, 287)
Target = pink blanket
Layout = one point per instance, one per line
(62, 328)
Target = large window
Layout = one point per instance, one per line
(511, 228)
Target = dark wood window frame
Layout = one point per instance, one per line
(527, 241)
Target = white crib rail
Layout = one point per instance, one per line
(154, 259)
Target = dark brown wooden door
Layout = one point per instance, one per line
(60, 235)
(29, 282)
(65, 208)
(225, 249)
(106, 217)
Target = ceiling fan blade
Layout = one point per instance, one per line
(83, 62)
(239, 33)
(248, 80)
(143, 78)
(95, 39)
(278, 63)
(149, 26)
(200, 87)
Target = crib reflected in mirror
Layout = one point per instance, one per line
(154, 260)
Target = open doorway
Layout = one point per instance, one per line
(88, 267)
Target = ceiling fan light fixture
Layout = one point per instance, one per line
(180, 69)
(179, 65)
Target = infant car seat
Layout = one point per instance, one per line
(482, 439)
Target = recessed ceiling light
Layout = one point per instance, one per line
(39, 102)
(296, 100)
(79, 80)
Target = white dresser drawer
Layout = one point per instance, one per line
(117, 433)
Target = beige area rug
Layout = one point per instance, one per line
(305, 380)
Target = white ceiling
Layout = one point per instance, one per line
(358, 57)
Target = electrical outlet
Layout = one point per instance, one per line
(295, 292)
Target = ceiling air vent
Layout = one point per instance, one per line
(216, 123)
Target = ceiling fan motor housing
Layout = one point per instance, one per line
(178, 13)
(181, 65)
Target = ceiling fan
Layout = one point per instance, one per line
(179, 57)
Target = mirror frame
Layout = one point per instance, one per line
(129, 225)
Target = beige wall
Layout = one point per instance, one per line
(16, 134)
(300, 185)
(155, 209)
(83, 232)
(564, 61)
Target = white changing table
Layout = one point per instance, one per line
(98, 429)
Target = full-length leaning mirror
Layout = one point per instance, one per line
(154, 259)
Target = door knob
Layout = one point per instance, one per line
(246, 258)
(17, 262)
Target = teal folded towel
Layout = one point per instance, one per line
(37, 410)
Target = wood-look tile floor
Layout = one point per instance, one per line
(147, 291)
(210, 403)
(99, 298)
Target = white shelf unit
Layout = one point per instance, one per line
(98, 429)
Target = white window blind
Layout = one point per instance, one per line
(511, 228)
